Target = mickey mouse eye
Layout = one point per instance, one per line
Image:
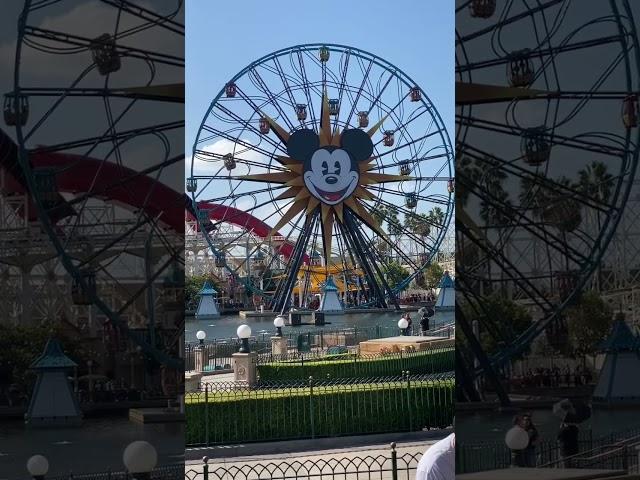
(336, 167)
(325, 168)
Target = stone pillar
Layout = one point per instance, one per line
(244, 368)
(191, 382)
(202, 358)
(279, 345)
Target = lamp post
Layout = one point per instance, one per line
(140, 459)
(403, 324)
(278, 322)
(90, 365)
(201, 335)
(244, 332)
(38, 466)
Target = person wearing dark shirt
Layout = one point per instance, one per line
(568, 443)
(424, 325)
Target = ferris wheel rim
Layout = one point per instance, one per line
(608, 230)
(386, 66)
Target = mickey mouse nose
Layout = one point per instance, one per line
(331, 179)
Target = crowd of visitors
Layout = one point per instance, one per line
(553, 377)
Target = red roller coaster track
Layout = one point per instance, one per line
(122, 186)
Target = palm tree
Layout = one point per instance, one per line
(596, 183)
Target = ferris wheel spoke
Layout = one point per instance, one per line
(508, 268)
(406, 144)
(534, 228)
(248, 124)
(529, 12)
(399, 162)
(354, 103)
(155, 19)
(429, 198)
(122, 135)
(218, 157)
(538, 180)
(284, 80)
(239, 141)
(559, 140)
(236, 196)
(264, 89)
(569, 47)
(123, 50)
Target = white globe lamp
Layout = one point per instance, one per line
(244, 332)
(140, 458)
(38, 466)
(278, 322)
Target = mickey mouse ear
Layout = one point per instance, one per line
(357, 143)
(302, 143)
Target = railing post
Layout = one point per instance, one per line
(394, 462)
(206, 414)
(313, 431)
(409, 410)
(205, 468)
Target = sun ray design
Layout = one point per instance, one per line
(306, 200)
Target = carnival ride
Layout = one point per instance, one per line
(88, 188)
(326, 145)
(547, 116)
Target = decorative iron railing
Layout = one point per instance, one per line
(227, 413)
(392, 466)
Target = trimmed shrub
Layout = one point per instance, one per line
(234, 416)
(350, 366)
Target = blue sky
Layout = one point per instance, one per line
(416, 36)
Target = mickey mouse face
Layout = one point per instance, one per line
(330, 178)
(330, 173)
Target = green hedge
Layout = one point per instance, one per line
(234, 416)
(426, 362)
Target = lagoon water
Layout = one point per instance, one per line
(96, 446)
(225, 326)
(492, 427)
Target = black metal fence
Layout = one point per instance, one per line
(227, 413)
(393, 466)
(220, 351)
(613, 451)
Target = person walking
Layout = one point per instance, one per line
(527, 456)
(568, 443)
(424, 324)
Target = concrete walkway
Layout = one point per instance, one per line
(348, 458)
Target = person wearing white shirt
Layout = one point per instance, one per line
(438, 462)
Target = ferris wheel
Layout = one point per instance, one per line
(97, 108)
(331, 163)
(547, 116)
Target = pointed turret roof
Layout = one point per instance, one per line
(207, 289)
(330, 285)
(446, 281)
(53, 357)
(621, 338)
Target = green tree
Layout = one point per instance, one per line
(433, 274)
(418, 223)
(589, 323)
(193, 285)
(395, 273)
(21, 345)
(501, 321)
